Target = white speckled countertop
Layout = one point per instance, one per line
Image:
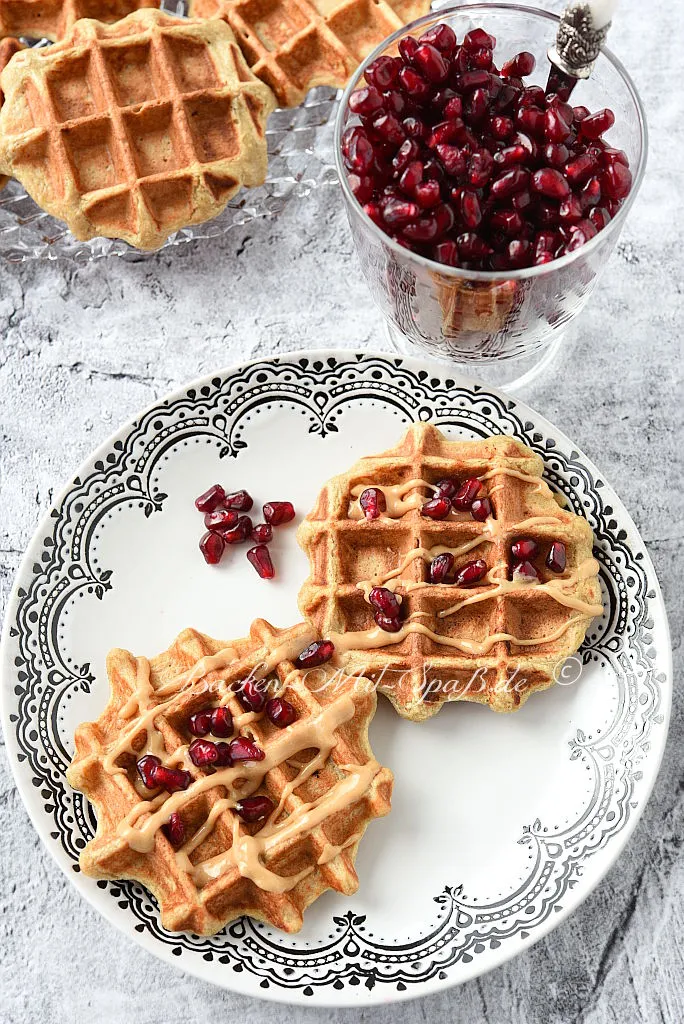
(82, 349)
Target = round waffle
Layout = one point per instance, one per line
(319, 773)
(137, 129)
(293, 45)
(495, 642)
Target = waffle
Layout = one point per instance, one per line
(293, 45)
(278, 869)
(8, 47)
(134, 130)
(507, 639)
(52, 19)
(472, 307)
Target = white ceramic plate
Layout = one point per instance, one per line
(501, 825)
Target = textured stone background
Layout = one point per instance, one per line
(81, 350)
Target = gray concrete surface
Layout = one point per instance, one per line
(83, 349)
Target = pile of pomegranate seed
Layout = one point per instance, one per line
(461, 162)
(155, 775)
(226, 523)
(525, 550)
(386, 609)
(463, 497)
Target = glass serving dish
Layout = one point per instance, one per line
(501, 327)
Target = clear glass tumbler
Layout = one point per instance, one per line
(501, 328)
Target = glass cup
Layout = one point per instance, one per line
(502, 327)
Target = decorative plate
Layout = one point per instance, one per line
(501, 824)
(299, 160)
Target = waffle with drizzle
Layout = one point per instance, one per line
(494, 642)
(318, 772)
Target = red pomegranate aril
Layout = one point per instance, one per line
(447, 488)
(415, 128)
(610, 156)
(508, 221)
(427, 194)
(433, 170)
(147, 766)
(582, 232)
(388, 623)
(436, 508)
(441, 567)
(480, 167)
(172, 779)
(199, 724)
(390, 128)
(521, 201)
(278, 512)
(221, 722)
(365, 102)
(260, 558)
(407, 48)
(280, 712)
(470, 210)
(532, 120)
(590, 195)
(551, 183)
(472, 247)
(395, 102)
(543, 257)
(519, 253)
(580, 169)
(509, 182)
(445, 132)
(476, 106)
(446, 252)
(570, 210)
(174, 829)
(545, 241)
(616, 181)
(579, 113)
(453, 109)
(362, 186)
(397, 212)
(524, 549)
(382, 73)
(202, 753)
(481, 509)
(507, 97)
(471, 80)
(556, 154)
(383, 600)
(520, 66)
(594, 126)
(452, 158)
(243, 749)
(220, 519)
(407, 152)
(556, 128)
(442, 37)
(262, 533)
(524, 572)
(251, 695)
(239, 533)
(501, 127)
(556, 558)
(373, 211)
(599, 217)
(533, 96)
(223, 758)
(372, 502)
(357, 151)
(211, 499)
(481, 59)
(254, 808)
(239, 500)
(317, 653)
(212, 545)
(477, 38)
(425, 229)
(414, 85)
(431, 63)
(466, 494)
(510, 156)
(471, 572)
(546, 213)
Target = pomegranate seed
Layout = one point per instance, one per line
(471, 572)
(532, 120)
(594, 125)
(242, 749)
(579, 113)
(472, 247)
(383, 600)
(454, 108)
(382, 73)
(501, 127)
(372, 502)
(582, 232)
(447, 253)
(477, 106)
(510, 156)
(240, 500)
(543, 257)
(395, 102)
(414, 85)
(556, 558)
(507, 98)
(545, 241)
(174, 829)
(425, 229)
(524, 549)
(570, 210)
(481, 58)
(223, 758)
(427, 194)
(481, 509)
(509, 182)
(466, 494)
(442, 37)
(415, 128)
(412, 177)
(556, 154)
(407, 48)
(280, 712)
(519, 253)
(472, 80)
(172, 779)
(599, 217)
(616, 181)
(550, 183)
(407, 152)
(202, 753)
(241, 532)
(437, 508)
(556, 128)
(447, 487)
(480, 168)
(373, 211)
(315, 654)
(365, 102)
(478, 38)
(445, 132)
(221, 722)
(610, 156)
(262, 533)
(251, 695)
(520, 66)
(431, 63)
(357, 152)
(580, 169)
(508, 221)
(147, 766)
(471, 213)
(254, 808)
(199, 724)
(211, 545)
(260, 558)
(524, 572)
(533, 96)
(387, 623)
(211, 499)
(441, 567)
(278, 512)
(590, 195)
(452, 158)
(362, 186)
(220, 519)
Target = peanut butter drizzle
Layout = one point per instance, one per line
(505, 471)
(554, 588)
(247, 851)
(330, 851)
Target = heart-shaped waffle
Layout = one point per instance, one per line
(190, 847)
(494, 641)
